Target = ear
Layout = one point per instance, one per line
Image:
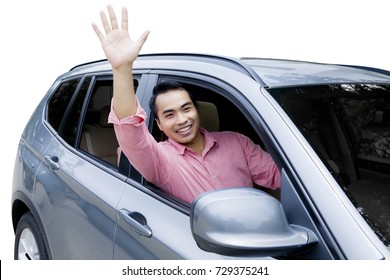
(158, 124)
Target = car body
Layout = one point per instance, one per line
(326, 126)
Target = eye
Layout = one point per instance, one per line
(168, 116)
(187, 109)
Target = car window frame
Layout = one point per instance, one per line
(225, 91)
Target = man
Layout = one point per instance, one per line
(192, 160)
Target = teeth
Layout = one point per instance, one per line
(184, 129)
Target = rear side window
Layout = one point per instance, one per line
(65, 107)
(349, 127)
(60, 101)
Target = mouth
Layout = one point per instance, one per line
(185, 130)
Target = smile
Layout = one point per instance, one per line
(184, 130)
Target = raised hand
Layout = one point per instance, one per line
(118, 47)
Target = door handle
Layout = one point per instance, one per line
(52, 161)
(137, 221)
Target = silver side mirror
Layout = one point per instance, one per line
(244, 220)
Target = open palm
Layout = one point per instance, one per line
(118, 47)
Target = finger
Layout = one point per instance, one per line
(113, 20)
(98, 32)
(125, 19)
(106, 25)
(142, 39)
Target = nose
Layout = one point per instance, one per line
(181, 118)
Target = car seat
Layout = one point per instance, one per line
(208, 115)
(100, 140)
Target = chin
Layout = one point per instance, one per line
(185, 140)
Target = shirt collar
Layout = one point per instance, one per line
(209, 142)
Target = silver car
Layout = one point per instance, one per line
(326, 126)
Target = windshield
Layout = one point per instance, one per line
(348, 125)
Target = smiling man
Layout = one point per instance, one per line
(192, 160)
(177, 115)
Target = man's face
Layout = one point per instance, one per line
(178, 117)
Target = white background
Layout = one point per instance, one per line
(42, 39)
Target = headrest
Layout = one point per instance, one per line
(103, 120)
(208, 115)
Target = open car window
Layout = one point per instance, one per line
(218, 111)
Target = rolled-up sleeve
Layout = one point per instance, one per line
(137, 119)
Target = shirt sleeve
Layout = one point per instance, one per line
(137, 119)
(262, 167)
(139, 146)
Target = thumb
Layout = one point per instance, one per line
(142, 39)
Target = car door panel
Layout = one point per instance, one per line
(80, 200)
(170, 238)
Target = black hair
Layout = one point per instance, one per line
(164, 87)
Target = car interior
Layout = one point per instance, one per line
(98, 137)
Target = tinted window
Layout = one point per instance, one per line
(60, 101)
(69, 131)
(65, 107)
(349, 127)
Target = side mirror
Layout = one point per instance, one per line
(242, 220)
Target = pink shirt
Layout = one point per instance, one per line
(229, 159)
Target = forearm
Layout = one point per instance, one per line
(124, 102)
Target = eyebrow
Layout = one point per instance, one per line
(171, 110)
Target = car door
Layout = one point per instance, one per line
(150, 227)
(77, 193)
(81, 218)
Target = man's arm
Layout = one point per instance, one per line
(261, 165)
(121, 52)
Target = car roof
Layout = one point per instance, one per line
(270, 73)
